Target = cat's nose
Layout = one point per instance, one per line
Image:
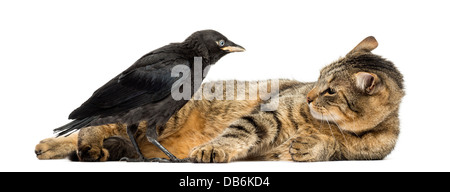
(311, 95)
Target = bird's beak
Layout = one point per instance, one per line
(233, 48)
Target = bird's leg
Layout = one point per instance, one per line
(131, 130)
(152, 137)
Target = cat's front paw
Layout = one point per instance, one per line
(309, 148)
(210, 153)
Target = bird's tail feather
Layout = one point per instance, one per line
(73, 126)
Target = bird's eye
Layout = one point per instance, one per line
(221, 43)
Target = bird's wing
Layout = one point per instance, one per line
(136, 86)
(155, 78)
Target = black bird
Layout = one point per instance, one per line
(143, 91)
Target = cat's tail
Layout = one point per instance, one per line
(117, 147)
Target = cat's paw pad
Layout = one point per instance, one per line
(307, 148)
(209, 154)
(92, 153)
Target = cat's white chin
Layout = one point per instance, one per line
(321, 116)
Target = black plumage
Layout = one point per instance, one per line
(143, 91)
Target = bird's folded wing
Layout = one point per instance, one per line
(133, 88)
(152, 78)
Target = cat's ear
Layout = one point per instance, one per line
(366, 45)
(367, 82)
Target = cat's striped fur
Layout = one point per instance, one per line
(351, 112)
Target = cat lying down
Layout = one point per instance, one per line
(350, 113)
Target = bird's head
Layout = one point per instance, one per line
(213, 44)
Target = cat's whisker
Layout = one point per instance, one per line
(331, 129)
(339, 127)
(321, 122)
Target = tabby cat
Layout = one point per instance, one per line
(350, 113)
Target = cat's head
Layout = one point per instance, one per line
(357, 92)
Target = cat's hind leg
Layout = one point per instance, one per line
(56, 148)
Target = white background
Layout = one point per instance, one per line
(54, 54)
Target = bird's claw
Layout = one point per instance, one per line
(159, 160)
(186, 160)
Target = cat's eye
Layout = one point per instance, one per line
(221, 43)
(330, 91)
